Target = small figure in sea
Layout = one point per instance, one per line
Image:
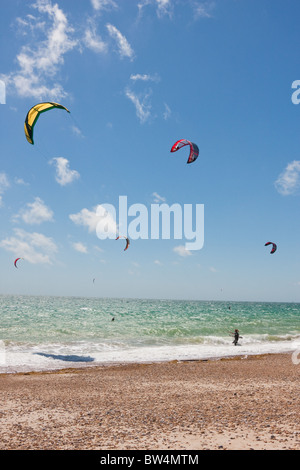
(236, 335)
(113, 319)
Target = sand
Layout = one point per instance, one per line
(236, 404)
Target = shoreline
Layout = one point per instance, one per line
(230, 403)
(161, 354)
(103, 365)
(85, 366)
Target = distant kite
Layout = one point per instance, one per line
(15, 262)
(194, 150)
(127, 241)
(274, 247)
(33, 115)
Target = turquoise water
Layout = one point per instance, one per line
(39, 333)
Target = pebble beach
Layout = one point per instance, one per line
(235, 403)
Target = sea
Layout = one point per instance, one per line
(39, 333)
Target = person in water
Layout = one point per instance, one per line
(236, 335)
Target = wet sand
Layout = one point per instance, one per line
(240, 403)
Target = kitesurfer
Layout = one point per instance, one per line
(236, 335)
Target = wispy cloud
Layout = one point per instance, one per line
(145, 77)
(64, 175)
(167, 112)
(142, 105)
(124, 48)
(163, 7)
(92, 40)
(39, 61)
(4, 185)
(80, 247)
(141, 100)
(203, 9)
(77, 131)
(182, 251)
(33, 247)
(157, 262)
(101, 5)
(20, 181)
(200, 8)
(289, 180)
(36, 212)
(30, 25)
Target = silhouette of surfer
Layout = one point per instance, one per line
(236, 336)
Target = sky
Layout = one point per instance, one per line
(138, 75)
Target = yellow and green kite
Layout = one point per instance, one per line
(33, 115)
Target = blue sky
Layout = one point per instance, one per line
(137, 75)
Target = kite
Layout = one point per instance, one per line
(15, 263)
(33, 115)
(274, 247)
(127, 242)
(194, 150)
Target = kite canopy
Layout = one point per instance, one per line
(15, 262)
(127, 241)
(274, 247)
(33, 115)
(194, 150)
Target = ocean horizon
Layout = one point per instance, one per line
(39, 333)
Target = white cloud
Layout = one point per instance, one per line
(124, 47)
(33, 247)
(158, 263)
(77, 131)
(86, 218)
(145, 77)
(92, 40)
(163, 7)
(167, 112)
(36, 213)
(142, 107)
(100, 5)
(39, 62)
(30, 24)
(289, 180)
(78, 246)
(64, 175)
(203, 9)
(20, 181)
(141, 100)
(4, 185)
(182, 251)
(158, 198)
(97, 248)
(97, 220)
